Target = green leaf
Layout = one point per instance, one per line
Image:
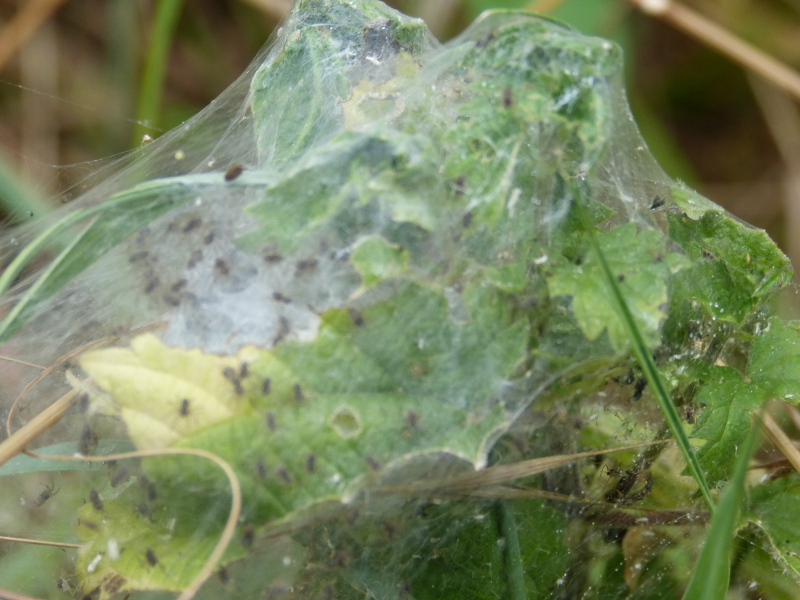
(151, 556)
(308, 423)
(545, 553)
(775, 360)
(636, 260)
(22, 463)
(729, 400)
(712, 571)
(375, 259)
(748, 254)
(774, 510)
(355, 184)
(310, 78)
(722, 294)
(728, 403)
(691, 203)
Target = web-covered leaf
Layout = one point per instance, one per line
(730, 398)
(303, 424)
(773, 511)
(368, 266)
(642, 268)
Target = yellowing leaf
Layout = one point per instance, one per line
(166, 393)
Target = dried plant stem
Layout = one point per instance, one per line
(24, 24)
(543, 6)
(43, 425)
(711, 34)
(16, 443)
(8, 538)
(782, 442)
(16, 361)
(504, 473)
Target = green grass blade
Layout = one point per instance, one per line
(12, 320)
(713, 570)
(118, 217)
(651, 372)
(512, 555)
(136, 207)
(121, 69)
(22, 463)
(165, 20)
(17, 199)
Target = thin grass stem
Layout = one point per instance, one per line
(735, 48)
(712, 573)
(165, 20)
(512, 555)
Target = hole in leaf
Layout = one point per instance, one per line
(346, 422)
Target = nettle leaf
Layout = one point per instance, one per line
(722, 294)
(729, 399)
(637, 259)
(749, 264)
(146, 556)
(309, 79)
(692, 204)
(303, 424)
(192, 389)
(775, 360)
(303, 201)
(358, 183)
(725, 421)
(773, 509)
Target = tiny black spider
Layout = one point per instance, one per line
(151, 557)
(94, 498)
(47, 493)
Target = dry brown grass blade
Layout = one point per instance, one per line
(41, 376)
(24, 24)
(711, 34)
(14, 444)
(610, 513)
(781, 441)
(18, 540)
(543, 6)
(504, 473)
(16, 361)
